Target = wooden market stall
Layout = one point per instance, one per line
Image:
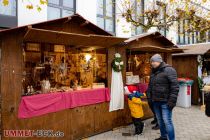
(69, 60)
(140, 48)
(137, 51)
(187, 65)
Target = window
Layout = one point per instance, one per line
(203, 37)
(191, 38)
(60, 8)
(105, 15)
(138, 7)
(9, 10)
(68, 3)
(53, 13)
(181, 36)
(54, 2)
(162, 17)
(66, 13)
(186, 32)
(184, 36)
(197, 37)
(8, 14)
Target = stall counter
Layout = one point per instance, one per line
(36, 105)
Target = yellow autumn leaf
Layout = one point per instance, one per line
(204, 1)
(29, 6)
(5, 2)
(43, 2)
(39, 8)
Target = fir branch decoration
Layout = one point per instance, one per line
(117, 63)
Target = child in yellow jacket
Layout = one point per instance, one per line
(135, 105)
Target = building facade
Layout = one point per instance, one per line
(104, 13)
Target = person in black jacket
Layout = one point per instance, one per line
(163, 91)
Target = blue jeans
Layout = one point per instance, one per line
(164, 117)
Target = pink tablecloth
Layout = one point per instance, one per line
(40, 104)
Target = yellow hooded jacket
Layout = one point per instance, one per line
(135, 106)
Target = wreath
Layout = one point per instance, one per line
(117, 63)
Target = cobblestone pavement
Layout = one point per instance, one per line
(190, 124)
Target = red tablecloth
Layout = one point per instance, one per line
(142, 87)
(40, 104)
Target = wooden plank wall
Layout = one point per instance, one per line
(186, 66)
(169, 58)
(71, 27)
(145, 42)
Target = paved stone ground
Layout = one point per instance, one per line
(190, 124)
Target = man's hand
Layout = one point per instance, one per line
(171, 106)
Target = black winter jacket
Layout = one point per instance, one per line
(163, 85)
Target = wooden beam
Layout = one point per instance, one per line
(85, 23)
(68, 19)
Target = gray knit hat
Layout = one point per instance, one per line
(156, 58)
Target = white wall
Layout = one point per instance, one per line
(26, 16)
(87, 9)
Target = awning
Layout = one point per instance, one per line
(194, 49)
(155, 49)
(153, 35)
(65, 38)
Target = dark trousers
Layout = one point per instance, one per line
(150, 102)
(138, 125)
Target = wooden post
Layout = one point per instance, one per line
(110, 57)
(169, 58)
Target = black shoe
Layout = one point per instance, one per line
(156, 127)
(137, 132)
(154, 121)
(161, 138)
(140, 131)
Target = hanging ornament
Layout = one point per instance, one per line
(117, 63)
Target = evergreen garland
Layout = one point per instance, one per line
(117, 63)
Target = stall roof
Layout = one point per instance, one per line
(155, 35)
(66, 38)
(150, 48)
(194, 49)
(75, 17)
